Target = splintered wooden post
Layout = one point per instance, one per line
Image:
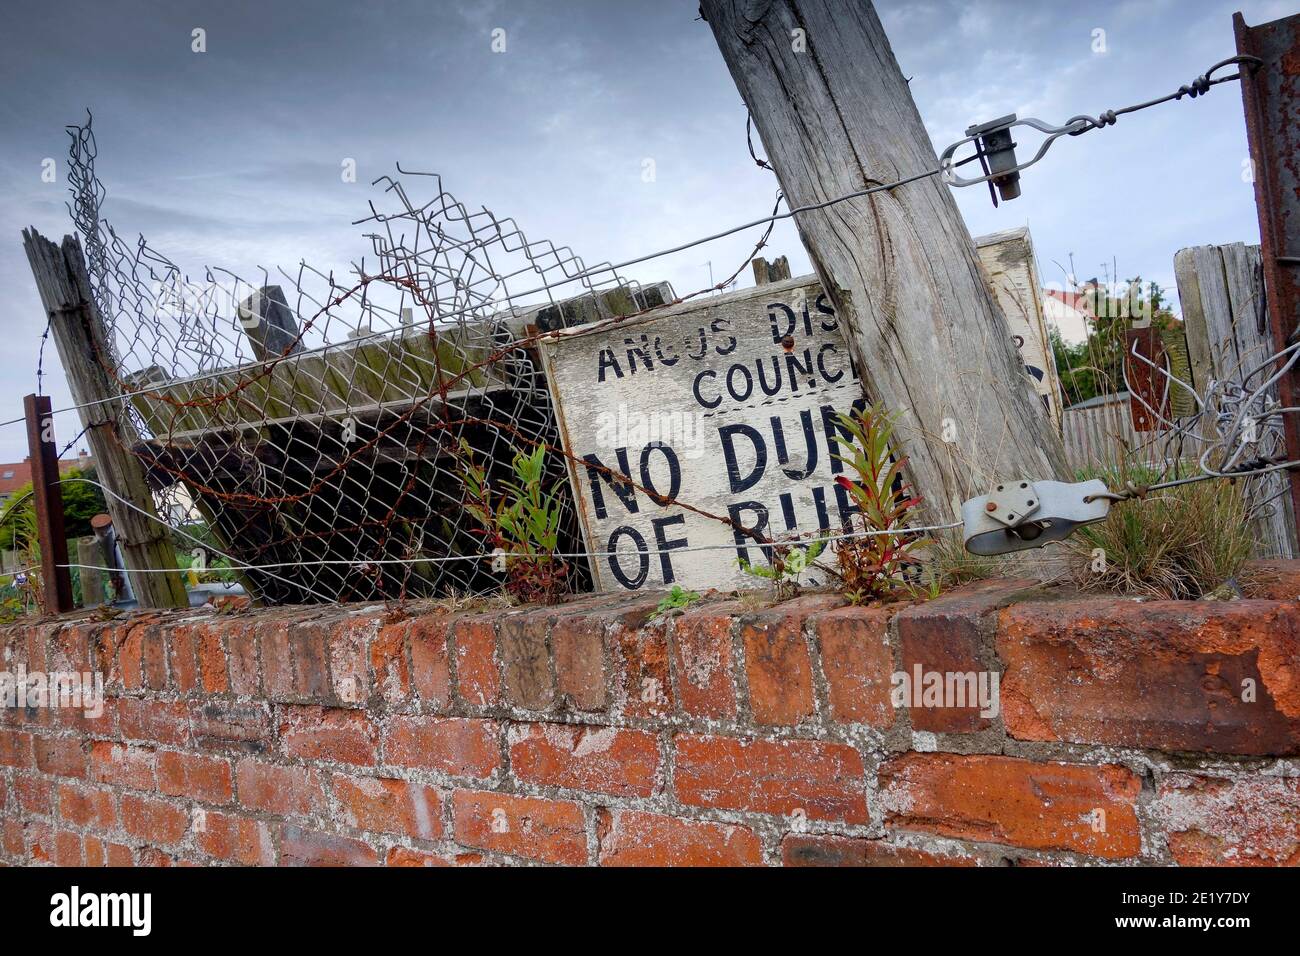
(932, 345)
(269, 323)
(47, 496)
(82, 341)
(778, 270)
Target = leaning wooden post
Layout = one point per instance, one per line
(81, 339)
(47, 496)
(836, 116)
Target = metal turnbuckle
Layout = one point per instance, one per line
(996, 151)
(1023, 514)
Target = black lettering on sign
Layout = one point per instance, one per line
(699, 397)
(597, 472)
(734, 512)
(810, 444)
(608, 360)
(727, 433)
(643, 562)
(663, 545)
(674, 469)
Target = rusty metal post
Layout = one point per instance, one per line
(47, 495)
(1271, 98)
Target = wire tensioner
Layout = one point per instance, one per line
(1024, 514)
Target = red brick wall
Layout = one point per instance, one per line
(590, 734)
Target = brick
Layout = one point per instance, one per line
(13, 837)
(1244, 821)
(1273, 580)
(349, 663)
(39, 839)
(77, 720)
(87, 806)
(69, 647)
(130, 653)
(948, 636)
(122, 765)
(430, 664)
(1040, 806)
(824, 780)
(389, 806)
(99, 853)
(858, 664)
(578, 644)
(154, 658)
(335, 734)
(701, 643)
(272, 635)
(309, 650)
(463, 747)
(16, 749)
(35, 795)
(635, 838)
(601, 759)
(241, 657)
(155, 821)
(231, 726)
(525, 660)
(60, 756)
(94, 851)
(103, 656)
(237, 838)
(213, 675)
(154, 721)
(401, 856)
(1167, 675)
(808, 850)
(307, 848)
(644, 682)
(68, 849)
(390, 663)
(777, 666)
(278, 790)
(205, 779)
(184, 658)
(477, 680)
(552, 831)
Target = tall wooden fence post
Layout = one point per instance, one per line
(47, 496)
(930, 342)
(82, 341)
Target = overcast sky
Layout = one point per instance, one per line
(232, 157)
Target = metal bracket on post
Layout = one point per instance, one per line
(1023, 514)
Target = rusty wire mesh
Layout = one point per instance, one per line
(315, 425)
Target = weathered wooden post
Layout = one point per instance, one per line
(269, 323)
(836, 116)
(82, 342)
(47, 497)
(91, 560)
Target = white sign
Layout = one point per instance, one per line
(727, 407)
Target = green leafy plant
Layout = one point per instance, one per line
(788, 562)
(676, 600)
(521, 523)
(875, 566)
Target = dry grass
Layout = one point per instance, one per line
(1188, 542)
